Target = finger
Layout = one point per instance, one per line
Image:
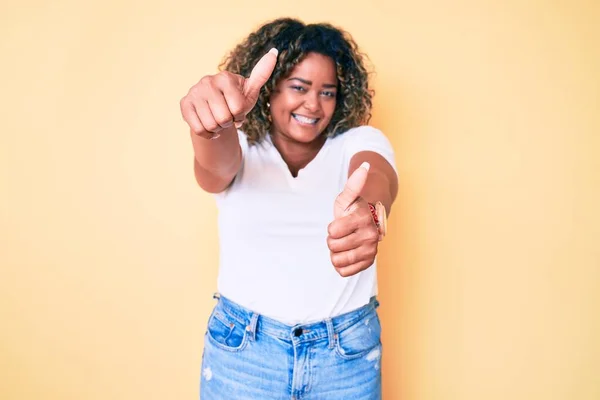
(190, 116)
(368, 236)
(344, 258)
(366, 253)
(206, 117)
(219, 109)
(353, 269)
(260, 75)
(349, 242)
(343, 226)
(352, 189)
(362, 256)
(235, 102)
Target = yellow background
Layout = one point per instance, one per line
(489, 278)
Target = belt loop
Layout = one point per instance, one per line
(251, 328)
(216, 295)
(375, 302)
(330, 333)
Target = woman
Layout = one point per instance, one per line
(302, 187)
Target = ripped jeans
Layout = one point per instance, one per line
(248, 356)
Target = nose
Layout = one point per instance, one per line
(312, 102)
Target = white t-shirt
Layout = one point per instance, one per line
(274, 258)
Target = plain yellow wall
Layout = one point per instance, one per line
(489, 279)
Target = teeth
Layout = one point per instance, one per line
(305, 120)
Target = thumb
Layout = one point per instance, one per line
(260, 75)
(352, 189)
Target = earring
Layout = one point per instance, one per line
(268, 105)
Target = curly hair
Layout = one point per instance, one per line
(295, 40)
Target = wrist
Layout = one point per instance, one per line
(203, 134)
(208, 135)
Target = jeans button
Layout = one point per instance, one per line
(297, 332)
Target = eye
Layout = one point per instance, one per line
(328, 93)
(298, 88)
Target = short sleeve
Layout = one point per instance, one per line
(368, 138)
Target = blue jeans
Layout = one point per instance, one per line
(250, 356)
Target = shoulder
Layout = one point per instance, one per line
(361, 131)
(364, 135)
(261, 145)
(367, 138)
(243, 138)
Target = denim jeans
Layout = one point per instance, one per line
(250, 356)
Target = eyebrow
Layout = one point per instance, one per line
(306, 82)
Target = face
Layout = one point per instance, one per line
(303, 103)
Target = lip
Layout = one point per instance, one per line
(317, 119)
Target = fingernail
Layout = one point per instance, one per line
(274, 51)
(366, 165)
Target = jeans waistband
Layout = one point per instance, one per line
(328, 327)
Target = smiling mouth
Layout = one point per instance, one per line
(305, 120)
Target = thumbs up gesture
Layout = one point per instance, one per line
(219, 101)
(353, 235)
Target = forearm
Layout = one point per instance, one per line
(378, 188)
(221, 156)
(382, 182)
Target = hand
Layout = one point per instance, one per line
(218, 101)
(353, 235)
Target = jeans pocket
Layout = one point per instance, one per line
(226, 332)
(360, 338)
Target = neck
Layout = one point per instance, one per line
(297, 154)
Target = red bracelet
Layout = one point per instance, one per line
(374, 214)
(379, 215)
